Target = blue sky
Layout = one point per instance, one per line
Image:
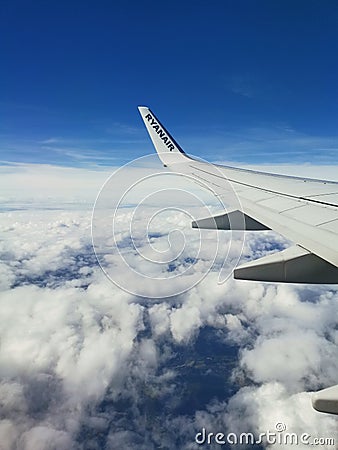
(254, 82)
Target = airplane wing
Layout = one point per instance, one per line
(303, 210)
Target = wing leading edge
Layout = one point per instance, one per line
(303, 210)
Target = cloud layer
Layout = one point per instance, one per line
(85, 365)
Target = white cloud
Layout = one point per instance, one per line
(47, 186)
(82, 363)
(270, 404)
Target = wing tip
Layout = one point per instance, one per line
(161, 138)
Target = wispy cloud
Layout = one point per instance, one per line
(122, 128)
(262, 144)
(248, 85)
(71, 151)
(242, 86)
(49, 141)
(82, 154)
(276, 143)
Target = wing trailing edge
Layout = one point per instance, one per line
(292, 265)
(233, 220)
(326, 400)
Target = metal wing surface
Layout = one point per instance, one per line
(303, 210)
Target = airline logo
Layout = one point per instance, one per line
(156, 126)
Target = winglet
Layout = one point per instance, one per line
(167, 148)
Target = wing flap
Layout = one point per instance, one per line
(314, 214)
(326, 400)
(332, 226)
(233, 220)
(293, 265)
